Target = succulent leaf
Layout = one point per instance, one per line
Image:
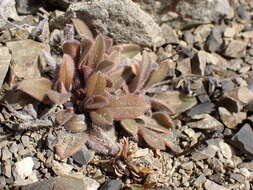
(96, 84)
(66, 72)
(143, 71)
(159, 74)
(82, 29)
(97, 52)
(71, 47)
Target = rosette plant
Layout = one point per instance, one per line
(101, 85)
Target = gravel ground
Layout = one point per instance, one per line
(210, 48)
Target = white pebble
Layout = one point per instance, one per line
(24, 167)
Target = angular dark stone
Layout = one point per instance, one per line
(214, 40)
(62, 4)
(201, 109)
(112, 185)
(230, 104)
(198, 45)
(202, 96)
(227, 85)
(198, 63)
(83, 157)
(188, 37)
(242, 13)
(243, 139)
(185, 51)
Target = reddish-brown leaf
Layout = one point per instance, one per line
(130, 126)
(153, 125)
(105, 66)
(119, 76)
(170, 144)
(175, 99)
(96, 102)
(160, 105)
(66, 72)
(163, 119)
(96, 84)
(101, 117)
(152, 139)
(127, 106)
(159, 74)
(76, 123)
(128, 50)
(143, 71)
(97, 51)
(71, 47)
(85, 47)
(114, 57)
(82, 29)
(37, 88)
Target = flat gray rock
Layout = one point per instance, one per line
(123, 20)
(196, 12)
(243, 139)
(4, 63)
(236, 49)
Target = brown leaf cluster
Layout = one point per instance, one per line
(99, 83)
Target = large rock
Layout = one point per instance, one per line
(123, 20)
(24, 54)
(196, 12)
(243, 139)
(9, 11)
(4, 63)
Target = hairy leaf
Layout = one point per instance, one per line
(101, 117)
(128, 50)
(152, 139)
(149, 130)
(153, 125)
(114, 57)
(96, 102)
(96, 84)
(85, 47)
(97, 52)
(76, 123)
(66, 72)
(127, 106)
(119, 77)
(82, 29)
(143, 71)
(108, 44)
(177, 100)
(159, 74)
(163, 119)
(71, 47)
(131, 127)
(160, 105)
(37, 88)
(105, 66)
